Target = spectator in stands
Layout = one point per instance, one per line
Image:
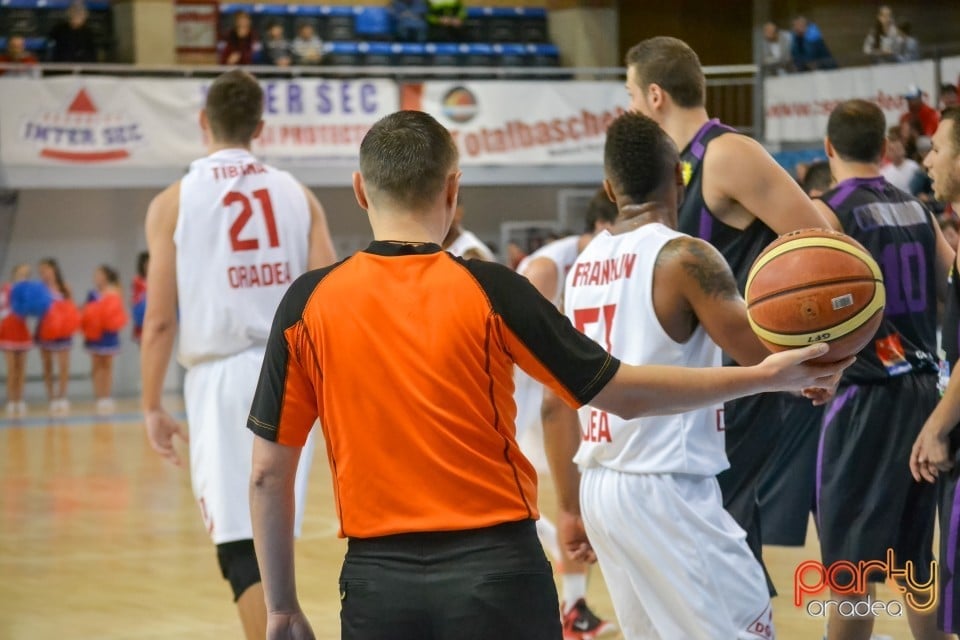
(817, 179)
(776, 49)
(276, 47)
(884, 42)
(909, 47)
(445, 18)
(410, 20)
(307, 47)
(72, 40)
(240, 45)
(948, 96)
(900, 171)
(922, 116)
(17, 53)
(809, 52)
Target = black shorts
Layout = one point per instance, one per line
(867, 501)
(464, 585)
(753, 425)
(786, 489)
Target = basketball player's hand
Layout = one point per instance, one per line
(790, 370)
(930, 455)
(573, 537)
(161, 429)
(291, 625)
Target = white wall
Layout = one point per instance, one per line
(85, 228)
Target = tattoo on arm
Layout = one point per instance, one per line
(704, 265)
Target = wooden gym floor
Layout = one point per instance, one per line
(99, 539)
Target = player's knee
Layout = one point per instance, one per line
(238, 564)
(550, 404)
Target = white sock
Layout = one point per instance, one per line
(573, 587)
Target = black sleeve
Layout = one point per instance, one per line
(541, 340)
(285, 404)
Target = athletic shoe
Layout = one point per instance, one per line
(59, 407)
(11, 409)
(580, 623)
(21, 410)
(105, 407)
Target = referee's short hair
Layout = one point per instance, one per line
(406, 157)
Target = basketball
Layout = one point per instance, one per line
(814, 286)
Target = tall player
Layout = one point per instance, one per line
(737, 199)
(936, 448)
(546, 269)
(224, 242)
(867, 502)
(677, 564)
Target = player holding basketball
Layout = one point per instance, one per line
(436, 500)
(867, 503)
(546, 269)
(677, 564)
(738, 199)
(224, 242)
(935, 452)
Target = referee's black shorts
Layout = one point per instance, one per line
(462, 585)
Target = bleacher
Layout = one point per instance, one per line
(33, 19)
(363, 36)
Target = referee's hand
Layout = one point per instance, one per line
(288, 625)
(930, 455)
(573, 537)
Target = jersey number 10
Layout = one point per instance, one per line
(246, 212)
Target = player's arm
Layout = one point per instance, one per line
(545, 345)
(561, 439)
(160, 321)
(931, 450)
(697, 271)
(322, 252)
(542, 274)
(741, 170)
(283, 411)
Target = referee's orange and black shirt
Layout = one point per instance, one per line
(406, 356)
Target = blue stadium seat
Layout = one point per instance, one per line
(543, 55)
(479, 54)
(373, 23)
(377, 54)
(444, 54)
(411, 54)
(342, 53)
(511, 55)
(340, 24)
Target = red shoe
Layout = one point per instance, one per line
(580, 623)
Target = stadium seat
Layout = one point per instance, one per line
(511, 55)
(339, 23)
(342, 53)
(479, 54)
(543, 55)
(373, 23)
(377, 54)
(411, 54)
(444, 54)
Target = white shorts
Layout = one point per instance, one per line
(218, 396)
(676, 564)
(528, 394)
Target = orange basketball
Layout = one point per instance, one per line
(815, 286)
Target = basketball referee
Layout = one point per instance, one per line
(406, 356)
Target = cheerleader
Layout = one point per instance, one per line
(55, 335)
(15, 342)
(104, 316)
(138, 295)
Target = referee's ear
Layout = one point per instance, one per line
(452, 195)
(359, 191)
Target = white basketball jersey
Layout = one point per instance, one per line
(609, 296)
(468, 241)
(562, 253)
(242, 237)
